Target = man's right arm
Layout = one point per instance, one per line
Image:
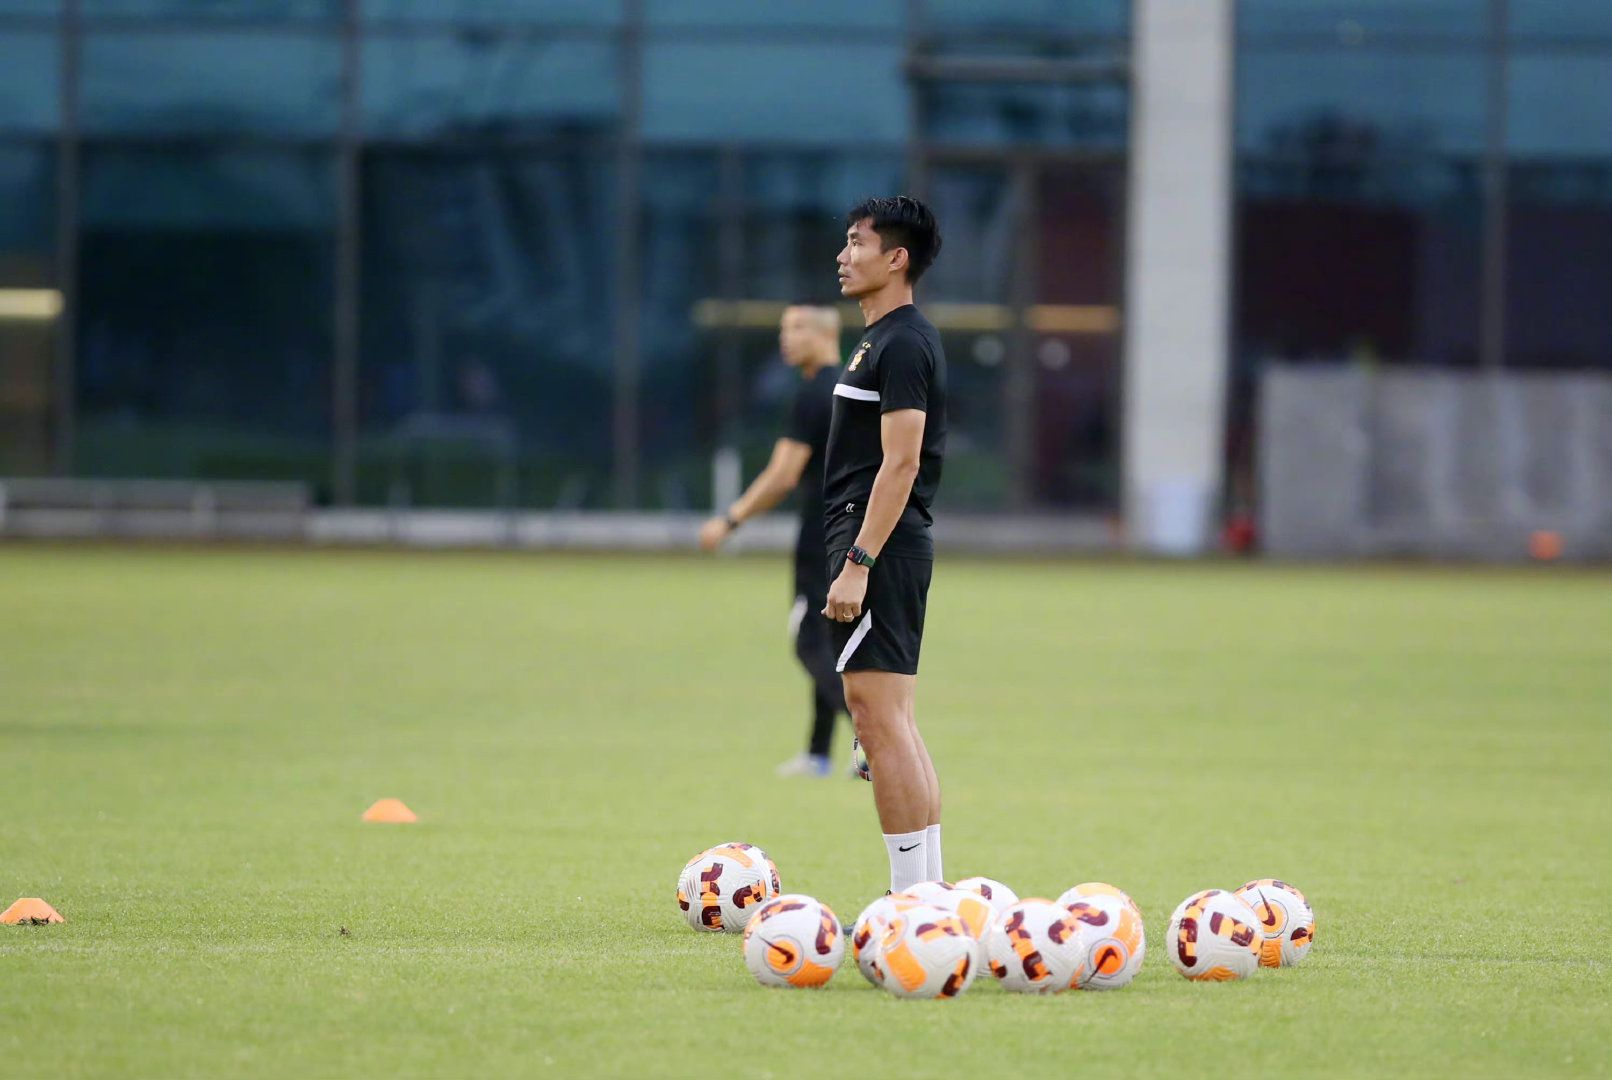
(783, 472)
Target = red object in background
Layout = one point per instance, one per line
(1240, 536)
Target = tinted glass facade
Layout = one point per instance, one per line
(1425, 183)
(532, 252)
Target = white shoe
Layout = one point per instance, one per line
(804, 764)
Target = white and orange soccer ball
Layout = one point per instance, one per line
(793, 940)
(1286, 922)
(975, 911)
(1114, 937)
(998, 895)
(925, 952)
(721, 887)
(868, 930)
(1213, 937)
(1037, 947)
(1087, 889)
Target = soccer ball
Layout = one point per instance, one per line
(1286, 923)
(721, 887)
(998, 895)
(1213, 937)
(1037, 947)
(793, 941)
(975, 911)
(1088, 889)
(925, 952)
(869, 929)
(1116, 940)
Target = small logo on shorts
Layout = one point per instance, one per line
(850, 508)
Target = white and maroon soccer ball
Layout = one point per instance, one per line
(793, 940)
(868, 931)
(1037, 947)
(1088, 889)
(975, 911)
(1213, 937)
(1115, 940)
(721, 887)
(925, 952)
(1286, 922)
(998, 895)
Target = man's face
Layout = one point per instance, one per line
(863, 267)
(796, 335)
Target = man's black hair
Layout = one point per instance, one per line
(901, 221)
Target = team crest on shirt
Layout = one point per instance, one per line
(861, 351)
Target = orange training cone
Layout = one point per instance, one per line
(391, 811)
(32, 911)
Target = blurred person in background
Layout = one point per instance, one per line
(809, 338)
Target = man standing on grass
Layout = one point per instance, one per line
(809, 338)
(885, 446)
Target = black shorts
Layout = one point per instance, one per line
(890, 632)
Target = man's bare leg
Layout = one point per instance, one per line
(903, 790)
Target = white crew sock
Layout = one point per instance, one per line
(932, 865)
(908, 859)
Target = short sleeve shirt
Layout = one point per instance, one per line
(809, 417)
(898, 364)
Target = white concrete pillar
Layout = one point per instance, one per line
(1178, 271)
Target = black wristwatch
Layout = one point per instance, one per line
(732, 523)
(860, 557)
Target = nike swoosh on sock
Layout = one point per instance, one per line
(917, 845)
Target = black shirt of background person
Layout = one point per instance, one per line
(809, 418)
(898, 364)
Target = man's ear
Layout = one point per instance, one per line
(899, 259)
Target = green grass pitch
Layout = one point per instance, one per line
(188, 738)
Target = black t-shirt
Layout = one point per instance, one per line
(808, 422)
(898, 364)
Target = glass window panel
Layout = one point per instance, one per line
(1561, 105)
(1356, 21)
(27, 211)
(1083, 16)
(416, 86)
(1559, 216)
(1025, 114)
(204, 341)
(488, 360)
(1347, 264)
(30, 82)
(191, 11)
(512, 12)
(829, 14)
(187, 83)
(1360, 103)
(1560, 18)
(778, 92)
(30, 7)
(679, 249)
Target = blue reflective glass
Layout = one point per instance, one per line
(213, 189)
(1352, 22)
(191, 11)
(1365, 103)
(30, 82)
(204, 331)
(1561, 105)
(27, 203)
(1560, 18)
(30, 7)
(223, 82)
(416, 86)
(512, 12)
(1040, 114)
(488, 348)
(846, 15)
(1110, 17)
(833, 92)
(795, 205)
